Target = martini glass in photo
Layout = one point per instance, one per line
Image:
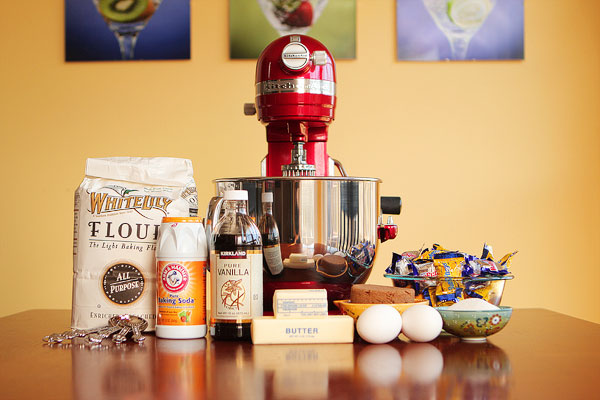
(459, 20)
(292, 16)
(126, 19)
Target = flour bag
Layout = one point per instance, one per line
(118, 210)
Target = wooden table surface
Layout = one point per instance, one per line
(539, 355)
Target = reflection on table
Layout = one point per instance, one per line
(173, 369)
(540, 354)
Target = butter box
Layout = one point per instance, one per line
(333, 329)
(300, 303)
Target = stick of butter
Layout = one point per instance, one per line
(333, 329)
(300, 303)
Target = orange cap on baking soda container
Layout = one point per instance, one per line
(181, 258)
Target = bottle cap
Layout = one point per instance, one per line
(181, 238)
(235, 195)
(192, 220)
(267, 197)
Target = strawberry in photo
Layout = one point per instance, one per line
(301, 16)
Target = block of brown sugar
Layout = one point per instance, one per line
(378, 294)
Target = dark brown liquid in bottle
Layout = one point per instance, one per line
(232, 330)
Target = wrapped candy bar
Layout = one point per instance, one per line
(490, 291)
(429, 294)
(427, 255)
(477, 289)
(505, 262)
(449, 264)
(411, 255)
(475, 267)
(495, 268)
(471, 267)
(448, 292)
(400, 265)
(488, 267)
(488, 253)
(363, 253)
(424, 269)
(438, 247)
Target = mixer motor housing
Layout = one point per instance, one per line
(295, 99)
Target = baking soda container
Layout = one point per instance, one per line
(181, 257)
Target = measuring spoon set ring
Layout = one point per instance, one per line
(119, 328)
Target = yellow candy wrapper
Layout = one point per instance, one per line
(449, 264)
(449, 292)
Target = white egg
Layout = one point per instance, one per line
(379, 323)
(421, 323)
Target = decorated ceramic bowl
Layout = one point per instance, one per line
(355, 309)
(474, 326)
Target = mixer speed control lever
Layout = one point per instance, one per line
(249, 109)
(319, 57)
(389, 230)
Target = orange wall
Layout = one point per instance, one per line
(503, 152)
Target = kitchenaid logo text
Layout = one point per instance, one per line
(312, 86)
(102, 203)
(290, 85)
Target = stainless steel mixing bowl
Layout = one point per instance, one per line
(317, 217)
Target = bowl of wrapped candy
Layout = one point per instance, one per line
(444, 277)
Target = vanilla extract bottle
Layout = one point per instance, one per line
(236, 271)
(269, 232)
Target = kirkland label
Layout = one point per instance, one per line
(238, 290)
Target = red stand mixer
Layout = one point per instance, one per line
(329, 225)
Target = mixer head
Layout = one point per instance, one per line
(295, 99)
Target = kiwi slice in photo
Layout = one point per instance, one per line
(126, 10)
